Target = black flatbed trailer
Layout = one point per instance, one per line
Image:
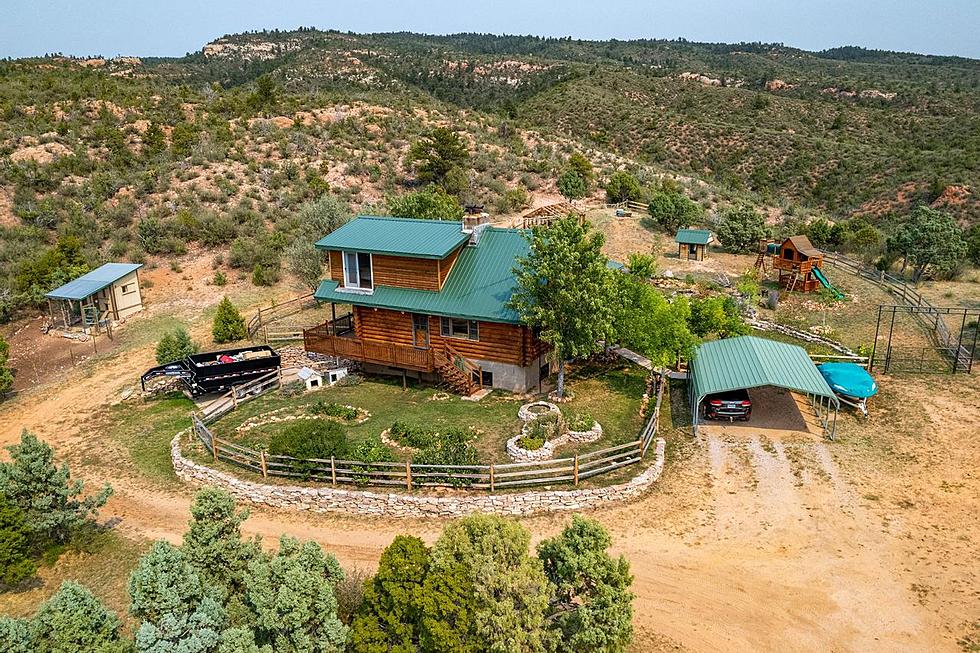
(209, 372)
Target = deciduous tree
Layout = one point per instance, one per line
(565, 289)
(431, 203)
(650, 325)
(929, 241)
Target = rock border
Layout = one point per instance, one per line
(519, 454)
(363, 502)
(525, 415)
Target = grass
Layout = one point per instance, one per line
(146, 429)
(611, 394)
(102, 564)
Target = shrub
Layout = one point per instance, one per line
(6, 374)
(371, 450)
(174, 346)
(220, 279)
(581, 422)
(228, 325)
(741, 228)
(571, 185)
(451, 447)
(306, 439)
(772, 299)
(333, 409)
(530, 442)
(349, 381)
(431, 203)
(409, 435)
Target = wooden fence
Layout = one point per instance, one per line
(409, 475)
(268, 315)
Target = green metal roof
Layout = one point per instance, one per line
(92, 282)
(693, 236)
(751, 362)
(434, 239)
(478, 287)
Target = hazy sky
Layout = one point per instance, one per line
(174, 27)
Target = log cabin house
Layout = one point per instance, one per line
(429, 301)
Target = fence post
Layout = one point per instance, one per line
(576, 469)
(491, 477)
(214, 446)
(265, 471)
(408, 475)
(333, 471)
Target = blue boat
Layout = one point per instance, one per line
(851, 383)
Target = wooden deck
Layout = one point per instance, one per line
(322, 340)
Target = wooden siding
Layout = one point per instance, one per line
(445, 266)
(504, 343)
(406, 272)
(337, 267)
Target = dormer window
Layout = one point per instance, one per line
(358, 274)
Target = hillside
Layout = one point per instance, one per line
(135, 158)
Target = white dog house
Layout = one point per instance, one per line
(314, 379)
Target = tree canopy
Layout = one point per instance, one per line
(431, 203)
(623, 186)
(929, 240)
(673, 209)
(436, 154)
(741, 228)
(565, 288)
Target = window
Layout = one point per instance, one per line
(452, 327)
(128, 288)
(357, 271)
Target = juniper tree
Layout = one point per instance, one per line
(175, 609)
(53, 504)
(390, 618)
(591, 606)
(74, 620)
(175, 345)
(483, 591)
(16, 562)
(291, 597)
(228, 325)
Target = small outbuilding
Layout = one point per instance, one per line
(693, 243)
(750, 362)
(107, 294)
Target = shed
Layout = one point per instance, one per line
(107, 294)
(693, 243)
(749, 362)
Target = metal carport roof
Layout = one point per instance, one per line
(751, 362)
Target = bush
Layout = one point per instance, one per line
(432, 203)
(571, 185)
(333, 409)
(6, 374)
(409, 435)
(174, 346)
(306, 439)
(228, 325)
(672, 210)
(220, 279)
(371, 450)
(451, 447)
(349, 381)
(772, 299)
(581, 422)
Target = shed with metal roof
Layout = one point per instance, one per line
(693, 243)
(108, 293)
(749, 362)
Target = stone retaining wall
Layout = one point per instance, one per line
(363, 502)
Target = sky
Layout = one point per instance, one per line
(175, 27)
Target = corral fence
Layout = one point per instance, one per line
(957, 348)
(271, 314)
(409, 475)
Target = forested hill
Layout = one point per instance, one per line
(224, 148)
(844, 130)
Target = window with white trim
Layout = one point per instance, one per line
(357, 271)
(452, 327)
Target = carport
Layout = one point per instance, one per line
(749, 362)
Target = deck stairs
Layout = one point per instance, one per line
(456, 379)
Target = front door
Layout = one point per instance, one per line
(420, 331)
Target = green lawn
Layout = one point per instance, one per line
(611, 395)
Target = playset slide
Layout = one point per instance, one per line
(826, 284)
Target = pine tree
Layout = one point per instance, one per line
(174, 346)
(228, 325)
(6, 374)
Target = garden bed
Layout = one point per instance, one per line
(612, 394)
